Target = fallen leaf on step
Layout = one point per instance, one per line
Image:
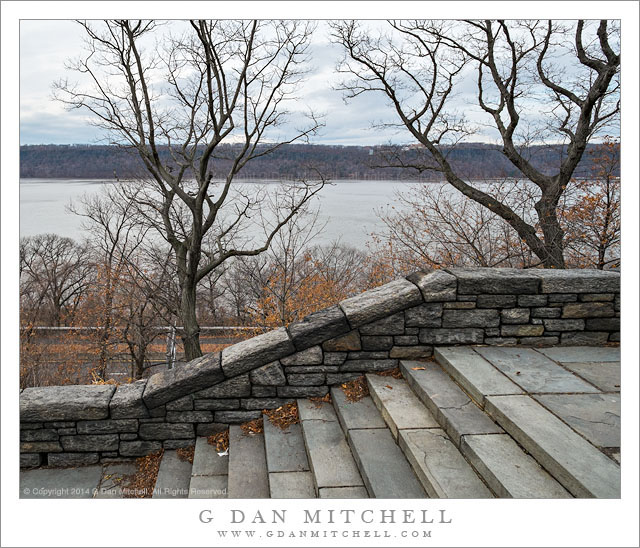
(418, 368)
(389, 387)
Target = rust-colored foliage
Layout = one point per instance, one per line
(141, 484)
(356, 389)
(255, 426)
(220, 441)
(395, 373)
(186, 453)
(284, 416)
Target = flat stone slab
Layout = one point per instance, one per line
(319, 411)
(255, 352)
(533, 371)
(441, 468)
(291, 485)
(399, 406)
(476, 375)
(343, 493)
(604, 375)
(508, 470)
(329, 455)
(572, 460)
(113, 479)
(465, 420)
(248, 478)
(208, 487)
(65, 403)
(60, 483)
(207, 462)
(500, 281)
(174, 477)
(285, 448)
(385, 470)
(360, 414)
(595, 416)
(582, 353)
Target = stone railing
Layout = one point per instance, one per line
(63, 425)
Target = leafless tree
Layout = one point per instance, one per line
(218, 82)
(535, 81)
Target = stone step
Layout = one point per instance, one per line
(383, 467)
(287, 464)
(573, 461)
(248, 476)
(209, 473)
(174, 477)
(332, 464)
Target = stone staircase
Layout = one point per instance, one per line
(475, 423)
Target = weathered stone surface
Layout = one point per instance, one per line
(208, 429)
(391, 325)
(306, 369)
(189, 416)
(43, 434)
(578, 281)
(127, 403)
(30, 460)
(515, 315)
(451, 336)
(285, 448)
(302, 391)
(533, 371)
(255, 352)
(522, 330)
(585, 337)
(217, 404)
(34, 425)
(72, 459)
(208, 487)
(310, 356)
(254, 404)
(561, 298)
(495, 281)
(238, 387)
(107, 426)
(603, 324)
(588, 310)
(65, 403)
(442, 470)
(268, 375)
(334, 358)
(106, 442)
(343, 493)
(509, 471)
(158, 412)
(380, 302)
(236, 417)
(178, 444)
(411, 352)
(339, 378)
(384, 469)
(573, 461)
(532, 300)
(424, 315)
(319, 327)
(182, 404)
(129, 437)
(139, 448)
(356, 415)
(248, 477)
(496, 301)
(569, 354)
(545, 312)
(161, 431)
(597, 297)
(595, 416)
(435, 285)
(344, 343)
(564, 325)
(381, 342)
(263, 391)
(367, 365)
(311, 379)
(76, 483)
(40, 446)
(604, 375)
(461, 305)
(183, 379)
(406, 340)
(207, 461)
(500, 341)
(174, 477)
(470, 318)
(291, 485)
(380, 355)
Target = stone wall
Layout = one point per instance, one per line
(406, 318)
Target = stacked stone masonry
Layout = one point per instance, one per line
(404, 319)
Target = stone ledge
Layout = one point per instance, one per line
(65, 403)
(578, 281)
(256, 352)
(495, 281)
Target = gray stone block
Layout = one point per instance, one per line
(451, 336)
(248, 477)
(291, 485)
(588, 310)
(238, 387)
(435, 285)
(564, 325)
(208, 487)
(532, 300)
(474, 281)
(304, 370)
(318, 327)
(380, 302)
(79, 443)
(129, 437)
(343, 493)
(367, 365)
(578, 281)
(584, 338)
(236, 417)
(139, 448)
(603, 324)
(158, 412)
(334, 358)
(470, 318)
(356, 415)
(582, 354)
(78, 483)
(391, 325)
(604, 375)
(208, 429)
(381, 342)
(258, 404)
(416, 352)
(424, 315)
(207, 461)
(596, 297)
(380, 355)
(65, 403)
(344, 343)
(182, 404)
(302, 391)
(500, 341)
(515, 315)
(311, 379)
(43, 434)
(462, 305)
(540, 341)
(127, 403)
(497, 301)
(263, 391)
(522, 330)
(34, 425)
(561, 298)
(268, 375)
(189, 416)
(30, 460)
(310, 356)
(285, 449)
(217, 405)
(107, 426)
(174, 477)
(40, 447)
(72, 459)
(183, 379)
(545, 312)
(161, 431)
(255, 352)
(178, 444)
(406, 340)
(339, 378)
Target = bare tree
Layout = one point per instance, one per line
(219, 81)
(535, 81)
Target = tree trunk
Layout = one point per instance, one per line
(553, 235)
(191, 329)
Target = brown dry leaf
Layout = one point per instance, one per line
(320, 400)
(140, 485)
(220, 441)
(252, 427)
(356, 389)
(395, 373)
(284, 416)
(186, 453)
(417, 368)
(389, 386)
